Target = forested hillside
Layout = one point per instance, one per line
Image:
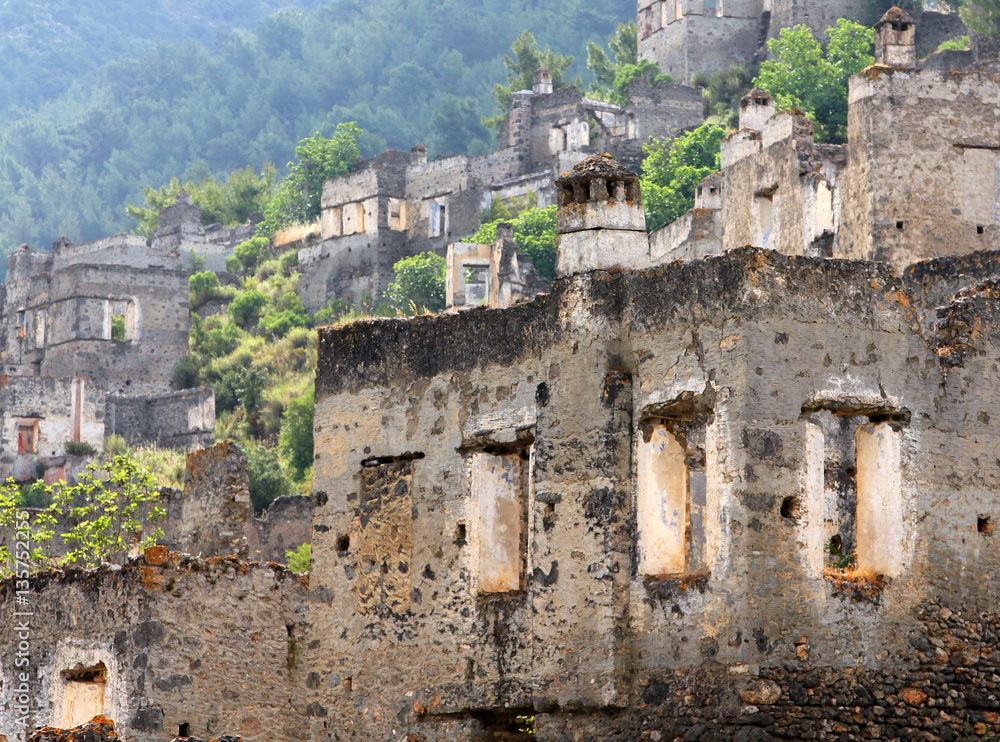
(405, 70)
(46, 46)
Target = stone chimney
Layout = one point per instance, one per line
(601, 222)
(543, 82)
(896, 39)
(419, 152)
(756, 107)
(708, 194)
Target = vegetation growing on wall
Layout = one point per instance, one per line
(534, 234)
(804, 75)
(672, 170)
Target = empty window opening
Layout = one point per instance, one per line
(460, 534)
(765, 218)
(184, 730)
(662, 503)
(880, 499)
(353, 219)
(899, 225)
(397, 214)
(40, 328)
(437, 219)
(21, 324)
(385, 537)
(121, 321)
(854, 493)
(343, 544)
(790, 508)
(82, 695)
(348, 684)
(477, 285)
(980, 229)
(498, 505)
(983, 524)
(671, 489)
(27, 435)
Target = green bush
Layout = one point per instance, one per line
(289, 260)
(202, 287)
(300, 559)
(534, 235)
(419, 283)
(268, 480)
(296, 440)
(246, 308)
(333, 311)
(281, 323)
(79, 448)
(185, 373)
(252, 253)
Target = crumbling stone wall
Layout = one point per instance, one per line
(184, 419)
(215, 645)
(212, 514)
(762, 642)
(922, 164)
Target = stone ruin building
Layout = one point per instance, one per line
(685, 37)
(400, 204)
(732, 491)
(90, 335)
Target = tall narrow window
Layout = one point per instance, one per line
(385, 539)
(498, 529)
(27, 435)
(880, 499)
(765, 218)
(662, 503)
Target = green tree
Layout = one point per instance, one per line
(982, 16)
(247, 308)
(110, 514)
(629, 73)
(672, 170)
(295, 444)
(32, 530)
(521, 70)
(624, 48)
(419, 283)
(202, 287)
(722, 91)
(231, 201)
(801, 75)
(268, 481)
(299, 560)
(535, 233)
(298, 198)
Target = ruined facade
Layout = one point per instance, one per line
(742, 497)
(685, 37)
(496, 275)
(166, 646)
(400, 204)
(916, 180)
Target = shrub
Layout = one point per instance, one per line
(79, 448)
(252, 253)
(268, 480)
(185, 373)
(300, 559)
(296, 440)
(419, 282)
(245, 309)
(202, 287)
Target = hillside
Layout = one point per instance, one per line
(58, 42)
(405, 70)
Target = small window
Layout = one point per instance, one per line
(499, 534)
(436, 228)
(899, 225)
(40, 328)
(662, 503)
(82, 695)
(27, 436)
(477, 285)
(21, 324)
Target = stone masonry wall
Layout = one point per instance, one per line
(216, 645)
(759, 638)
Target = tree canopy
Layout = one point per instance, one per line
(521, 70)
(534, 234)
(982, 16)
(672, 170)
(805, 76)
